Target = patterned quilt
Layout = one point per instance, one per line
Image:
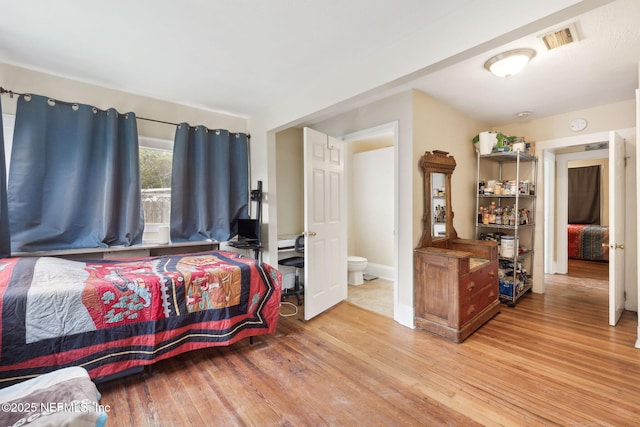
(112, 315)
(586, 242)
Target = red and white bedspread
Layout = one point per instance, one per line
(109, 316)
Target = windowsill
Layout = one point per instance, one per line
(119, 251)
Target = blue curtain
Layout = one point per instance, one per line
(5, 236)
(209, 184)
(74, 180)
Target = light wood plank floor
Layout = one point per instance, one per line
(550, 360)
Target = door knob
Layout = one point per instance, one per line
(617, 246)
(309, 233)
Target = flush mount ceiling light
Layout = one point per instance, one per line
(509, 63)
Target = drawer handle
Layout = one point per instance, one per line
(492, 295)
(492, 274)
(472, 308)
(471, 285)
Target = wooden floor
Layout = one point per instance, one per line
(589, 269)
(550, 360)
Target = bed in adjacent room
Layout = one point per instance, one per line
(588, 242)
(587, 239)
(112, 316)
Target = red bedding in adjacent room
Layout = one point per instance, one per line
(109, 316)
(586, 242)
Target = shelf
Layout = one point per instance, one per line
(504, 227)
(520, 256)
(507, 196)
(508, 156)
(510, 266)
(511, 300)
(143, 249)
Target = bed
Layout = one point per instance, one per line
(113, 316)
(65, 397)
(588, 242)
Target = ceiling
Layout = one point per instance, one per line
(600, 68)
(240, 57)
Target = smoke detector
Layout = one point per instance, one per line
(560, 37)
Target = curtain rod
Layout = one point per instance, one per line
(11, 93)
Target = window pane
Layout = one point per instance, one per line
(155, 179)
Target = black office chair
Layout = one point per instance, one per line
(296, 262)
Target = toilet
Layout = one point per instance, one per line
(355, 267)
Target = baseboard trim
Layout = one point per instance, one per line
(403, 314)
(382, 271)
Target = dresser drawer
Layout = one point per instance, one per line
(469, 308)
(478, 291)
(478, 280)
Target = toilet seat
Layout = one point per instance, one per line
(356, 262)
(355, 267)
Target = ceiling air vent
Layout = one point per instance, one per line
(596, 146)
(560, 37)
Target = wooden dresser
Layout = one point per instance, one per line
(455, 292)
(455, 280)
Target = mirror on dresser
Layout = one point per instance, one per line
(438, 202)
(455, 280)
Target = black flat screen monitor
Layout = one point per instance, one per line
(248, 230)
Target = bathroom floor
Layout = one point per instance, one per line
(375, 295)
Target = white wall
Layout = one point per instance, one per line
(372, 207)
(290, 182)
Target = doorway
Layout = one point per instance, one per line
(371, 182)
(566, 159)
(368, 144)
(588, 214)
(556, 155)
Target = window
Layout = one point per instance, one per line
(8, 122)
(156, 157)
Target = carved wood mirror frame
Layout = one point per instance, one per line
(437, 162)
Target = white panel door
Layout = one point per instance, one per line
(617, 165)
(325, 223)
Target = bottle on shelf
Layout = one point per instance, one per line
(492, 213)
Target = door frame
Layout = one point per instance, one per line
(386, 128)
(562, 206)
(548, 235)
